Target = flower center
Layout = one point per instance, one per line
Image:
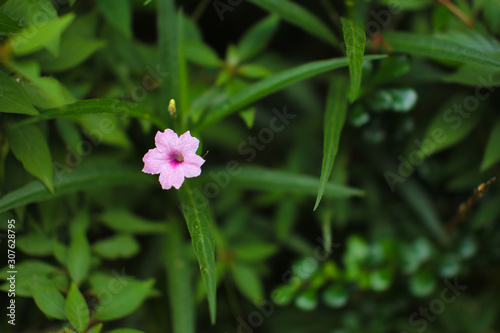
(176, 158)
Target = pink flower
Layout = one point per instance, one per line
(173, 158)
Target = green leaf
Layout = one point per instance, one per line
(118, 246)
(196, 212)
(256, 39)
(454, 121)
(34, 244)
(272, 180)
(248, 282)
(254, 251)
(438, 48)
(120, 296)
(381, 278)
(123, 221)
(79, 258)
(77, 309)
(31, 40)
(30, 147)
(25, 270)
(118, 14)
(179, 277)
(73, 181)
(96, 329)
(7, 25)
(335, 114)
(97, 106)
(47, 297)
(336, 295)
(298, 16)
(272, 84)
(307, 300)
(201, 54)
(397, 99)
(44, 92)
(492, 152)
(126, 330)
(355, 40)
(13, 99)
(423, 283)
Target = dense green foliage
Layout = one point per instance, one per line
(349, 186)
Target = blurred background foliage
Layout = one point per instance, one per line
(367, 209)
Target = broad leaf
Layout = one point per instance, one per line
(32, 40)
(248, 282)
(355, 40)
(77, 310)
(196, 212)
(118, 246)
(201, 54)
(7, 25)
(47, 297)
(13, 99)
(30, 147)
(124, 221)
(79, 258)
(119, 295)
(335, 114)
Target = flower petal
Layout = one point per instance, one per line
(154, 162)
(172, 176)
(166, 141)
(188, 144)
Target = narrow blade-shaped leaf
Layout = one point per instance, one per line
(179, 276)
(258, 178)
(492, 152)
(436, 48)
(77, 309)
(298, 16)
(13, 99)
(30, 147)
(68, 181)
(256, 39)
(99, 106)
(355, 40)
(272, 84)
(335, 114)
(196, 212)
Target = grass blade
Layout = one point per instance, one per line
(196, 212)
(355, 40)
(436, 48)
(336, 108)
(272, 84)
(298, 16)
